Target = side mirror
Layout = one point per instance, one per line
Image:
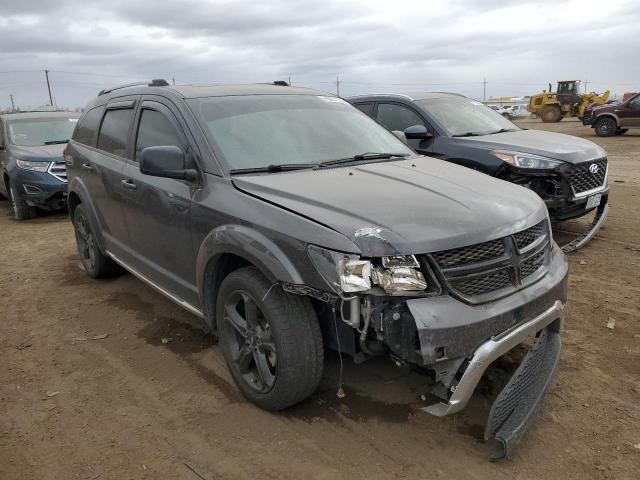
(166, 161)
(417, 132)
(400, 135)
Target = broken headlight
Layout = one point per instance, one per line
(349, 273)
(527, 160)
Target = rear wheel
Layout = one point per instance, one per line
(21, 210)
(95, 263)
(622, 131)
(270, 339)
(605, 127)
(551, 114)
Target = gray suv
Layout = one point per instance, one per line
(290, 221)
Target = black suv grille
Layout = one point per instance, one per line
(582, 179)
(483, 271)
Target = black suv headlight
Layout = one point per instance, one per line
(348, 273)
(527, 160)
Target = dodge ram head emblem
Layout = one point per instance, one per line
(593, 168)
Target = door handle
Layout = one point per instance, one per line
(129, 184)
(88, 167)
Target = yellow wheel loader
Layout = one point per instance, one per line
(566, 101)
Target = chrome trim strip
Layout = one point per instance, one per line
(55, 165)
(187, 306)
(487, 353)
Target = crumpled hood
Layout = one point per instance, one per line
(548, 144)
(45, 152)
(417, 205)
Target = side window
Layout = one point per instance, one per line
(635, 103)
(87, 128)
(397, 117)
(1, 132)
(366, 108)
(155, 129)
(115, 131)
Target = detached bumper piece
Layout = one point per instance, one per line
(519, 401)
(583, 238)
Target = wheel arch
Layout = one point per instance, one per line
(230, 247)
(607, 115)
(78, 194)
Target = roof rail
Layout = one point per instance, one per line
(156, 82)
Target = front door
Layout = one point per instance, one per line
(158, 209)
(629, 113)
(395, 116)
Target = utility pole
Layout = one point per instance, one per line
(174, 80)
(289, 80)
(13, 105)
(484, 89)
(586, 82)
(46, 73)
(337, 85)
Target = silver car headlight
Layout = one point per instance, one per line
(33, 166)
(347, 273)
(527, 160)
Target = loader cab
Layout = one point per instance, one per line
(568, 92)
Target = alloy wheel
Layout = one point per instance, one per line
(249, 340)
(86, 242)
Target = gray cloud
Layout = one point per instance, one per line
(518, 46)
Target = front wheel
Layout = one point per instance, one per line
(270, 340)
(551, 114)
(605, 127)
(21, 209)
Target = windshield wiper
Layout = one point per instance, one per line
(468, 134)
(281, 167)
(360, 157)
(503, 130)
(56, 142)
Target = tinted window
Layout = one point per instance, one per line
(155, 129)
(366, 108)
(115, 131)
(87, 129)
(260, 130)
(635, 103)
(397, 117)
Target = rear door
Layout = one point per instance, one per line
(98, 151)
(158, 209)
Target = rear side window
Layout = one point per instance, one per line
(114, 131)
(366, 108)
(397, 117)
(87, 128)
(635, 103)
(155, 130)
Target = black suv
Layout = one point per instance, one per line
(569, 173)
(290, 221)
(32, 169)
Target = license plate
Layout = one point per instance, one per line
(594, 201)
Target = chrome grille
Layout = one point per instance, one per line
(485, 271)
(59, 170)
(582, 179)
(472, 254)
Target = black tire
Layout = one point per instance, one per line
(21, 210)
(270, 339)
(551, 114)
(622, 131)
(94, 261)
(605, 127)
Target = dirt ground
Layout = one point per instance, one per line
(89, 389)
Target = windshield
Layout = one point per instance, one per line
(255, 131)
(461, 116)
(35, 132)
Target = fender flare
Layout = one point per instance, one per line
(249, 245)
(611, 115)
(78, 188)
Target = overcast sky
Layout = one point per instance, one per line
(381, 46)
